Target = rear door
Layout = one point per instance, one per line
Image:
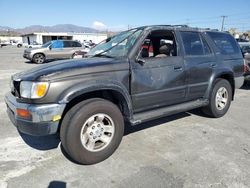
(199, 62)
(68, 49)
(228, 51)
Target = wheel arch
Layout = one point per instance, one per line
(116, 94)
(38, 53)
(227, 75)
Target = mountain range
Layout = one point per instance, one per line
(54, 28)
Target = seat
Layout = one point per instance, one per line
(165, 50)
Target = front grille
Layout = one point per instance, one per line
(16, 89)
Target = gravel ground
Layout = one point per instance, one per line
(184, 150)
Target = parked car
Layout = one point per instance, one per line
(57, 49)
(247, 67)
(242, 40)
(88, 100)
(245, 49)
(18, 44)
(33, 44)
(3, 43)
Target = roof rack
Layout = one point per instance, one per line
(174, 25)
(180, 25)
(188, 27)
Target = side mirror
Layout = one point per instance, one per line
(50, 47)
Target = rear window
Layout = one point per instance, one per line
(225, 42)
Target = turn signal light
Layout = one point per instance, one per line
(23, 113)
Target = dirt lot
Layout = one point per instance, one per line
(184, 150)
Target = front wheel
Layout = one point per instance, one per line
(38, 58)
(92, 130)
(220, 99)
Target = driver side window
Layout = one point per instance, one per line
(159, 44)
(57, 44)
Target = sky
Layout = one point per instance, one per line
(119, 15)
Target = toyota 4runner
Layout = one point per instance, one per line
(134, 76)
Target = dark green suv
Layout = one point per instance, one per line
(134, 76)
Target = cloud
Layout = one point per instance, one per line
(99, 25)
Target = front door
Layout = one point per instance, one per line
(158, 75)
(56, 50)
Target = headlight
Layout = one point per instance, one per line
(33, 90)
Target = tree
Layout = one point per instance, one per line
(233, 31)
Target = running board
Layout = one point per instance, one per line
(166, 111)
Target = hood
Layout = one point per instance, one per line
(67, 68)
(28, 50)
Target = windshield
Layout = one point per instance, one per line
(116, 46)
(46, 44)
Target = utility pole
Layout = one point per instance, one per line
(223, 21)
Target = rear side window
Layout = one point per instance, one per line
(194, 44)
(76, 44)
(70, 44)
(67, 44)
(225, 43)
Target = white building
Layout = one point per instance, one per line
(43, 37)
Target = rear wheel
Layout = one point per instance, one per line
(38, 58)
(19, 45)
(220, 99)
(92, 130)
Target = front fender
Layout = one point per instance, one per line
(97, 85)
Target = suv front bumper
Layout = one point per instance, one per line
(27, 55)
(44, 118)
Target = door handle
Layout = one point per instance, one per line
(177, 68)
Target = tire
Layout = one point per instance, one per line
(19, 45)
(220, 99)
(38, 58)
(246, 83)
(85, 126)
